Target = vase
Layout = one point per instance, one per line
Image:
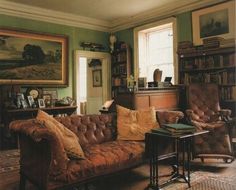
(157, 75)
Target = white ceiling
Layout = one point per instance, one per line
(101, 9)
(106, 15)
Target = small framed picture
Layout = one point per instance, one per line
(97, 78)
(24, 103)
(31, 101)
(47, 99)
(19, 98)
(52, 92)
(41, 103)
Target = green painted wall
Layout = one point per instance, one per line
(75, 36)
(184, 27)
(126, 36)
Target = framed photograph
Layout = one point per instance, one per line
(218, 20)
(97, 78)
(24, 103)
(142, 82)
(41, 103)
(31, 101)
(33, 58)
(47, 99)
(19, 98)
(52, 92)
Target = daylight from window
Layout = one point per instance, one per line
(156, 51)
(83, 79)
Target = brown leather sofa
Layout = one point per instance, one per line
(42, 164)
(204, 113)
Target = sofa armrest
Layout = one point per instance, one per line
(169, 116)
(42, 152)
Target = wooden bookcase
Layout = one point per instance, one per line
(120, 68)
(211, 66)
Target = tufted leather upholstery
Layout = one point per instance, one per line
(43, 159)
(205, 114)
(91, 129)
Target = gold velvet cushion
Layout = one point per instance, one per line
(133, 124)
(69, 140)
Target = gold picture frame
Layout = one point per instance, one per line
(33, 58)
(218, 20)
(97, 78)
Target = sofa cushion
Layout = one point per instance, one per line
(106, 158)
(133, 124)
(69, 140)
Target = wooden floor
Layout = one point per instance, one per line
(136, 179)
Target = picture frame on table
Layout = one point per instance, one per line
(47, 99)
(214, 21)
(41, 103)
(31, 101)
(19, 98)
(24, 103)
(53, 93)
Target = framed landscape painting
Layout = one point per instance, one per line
(218, 20)
(31, 58)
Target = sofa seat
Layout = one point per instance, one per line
(106, 158)
(103, 159)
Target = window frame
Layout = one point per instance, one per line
(148, 27)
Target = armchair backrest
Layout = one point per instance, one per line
(203, 100)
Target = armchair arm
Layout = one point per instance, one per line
(225, 114)
(191, 116)
(42, 152)
(169, 116)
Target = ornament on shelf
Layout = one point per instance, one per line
(112, 40)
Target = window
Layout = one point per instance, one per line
(155, 49)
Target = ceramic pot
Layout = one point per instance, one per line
(157, 75)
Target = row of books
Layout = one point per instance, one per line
(121, 57)
(119, 69)
(176, 129)
(221, 78)
(228, 93)
(214, 61)
(208, 43)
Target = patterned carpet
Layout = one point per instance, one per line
(208, 176)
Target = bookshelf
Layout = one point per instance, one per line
(120, 68)
(210, 65)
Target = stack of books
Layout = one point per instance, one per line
(176, 129)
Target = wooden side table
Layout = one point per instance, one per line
(181, 143)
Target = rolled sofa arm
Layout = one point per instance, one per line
(42, 154)
(169, 116)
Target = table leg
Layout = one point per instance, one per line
(188, 161)
(183, 155)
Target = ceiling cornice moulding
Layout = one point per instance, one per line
(45, 15)
(160, 13)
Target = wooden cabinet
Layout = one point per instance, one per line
(160, 98)
(211, 66)
(120, 68)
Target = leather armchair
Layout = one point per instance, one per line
(205, 114)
